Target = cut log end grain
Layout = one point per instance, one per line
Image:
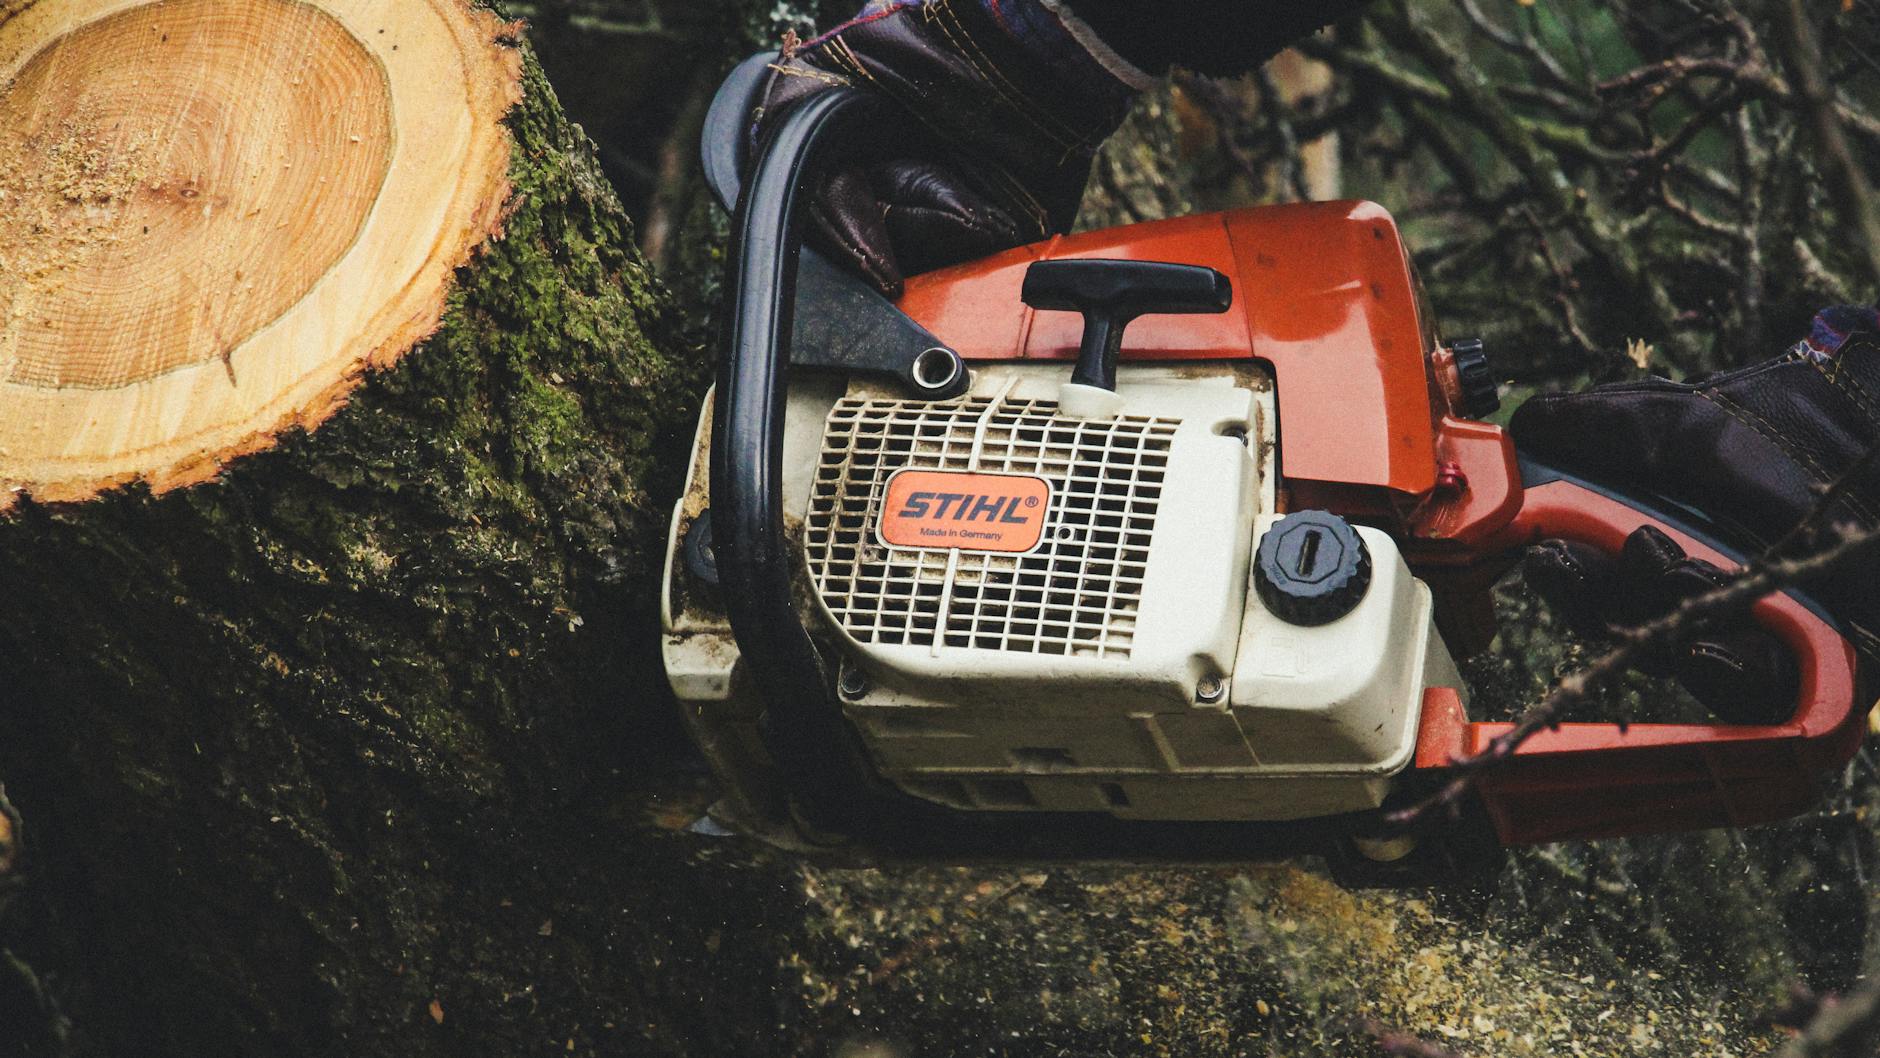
(217, 215)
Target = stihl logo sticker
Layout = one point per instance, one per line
(973, 512)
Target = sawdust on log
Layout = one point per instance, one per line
(1255, 960)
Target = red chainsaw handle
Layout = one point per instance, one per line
(1596, 780)
(1568, 510)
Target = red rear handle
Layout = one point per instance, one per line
(1589, 780)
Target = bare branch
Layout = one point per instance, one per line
(1564, 286)
(1521, 44)
(1853, 194)
(1819, 277)
(1568, 140)
(1842, 1027)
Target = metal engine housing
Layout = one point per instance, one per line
(1119, 663)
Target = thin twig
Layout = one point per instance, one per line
(1522, 45)
(1564, 285)
(1853, 194)
(1751, 154)
(1841, 1026)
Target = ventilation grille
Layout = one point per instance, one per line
(1076, 595)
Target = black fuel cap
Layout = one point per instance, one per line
(1479, 396)
(1311, 568)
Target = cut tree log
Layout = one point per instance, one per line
(214, 217)
(332, 392)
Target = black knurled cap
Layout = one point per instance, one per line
(1479, 399)
(1311, 568)
(700, 560)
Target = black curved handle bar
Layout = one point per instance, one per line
(801, 726)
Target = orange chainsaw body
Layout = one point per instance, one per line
(1326, 298)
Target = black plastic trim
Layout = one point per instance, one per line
(1111, 293)
(799, 727)
(852, 328)
(725, 138)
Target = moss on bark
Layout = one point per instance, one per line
(269, 730)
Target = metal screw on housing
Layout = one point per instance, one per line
(853, 683)
(1210, 689)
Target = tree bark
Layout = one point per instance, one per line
(302, 751)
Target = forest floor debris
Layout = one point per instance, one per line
(1260, 960)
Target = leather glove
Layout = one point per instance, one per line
(1004, 105)
(1754, 450)
(1734, 668)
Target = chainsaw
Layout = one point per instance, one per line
(1149, 543)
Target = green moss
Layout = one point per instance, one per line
(378, 651)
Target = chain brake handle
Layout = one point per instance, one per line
(1588, 780)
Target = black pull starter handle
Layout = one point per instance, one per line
(1112, 293)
